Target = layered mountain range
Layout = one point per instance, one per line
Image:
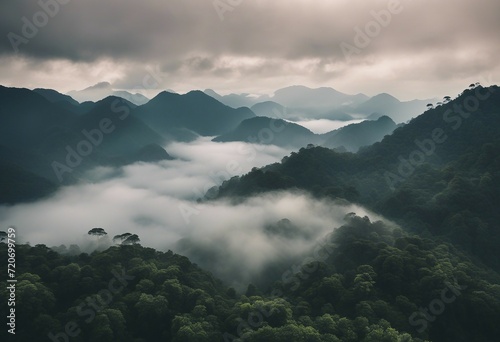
(54, 139)
(427, 270)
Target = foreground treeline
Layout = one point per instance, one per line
(364, 282)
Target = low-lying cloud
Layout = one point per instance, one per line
(231, 240)
(322, 126)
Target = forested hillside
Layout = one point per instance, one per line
(439, 175)
(366, 281)
(432, 274)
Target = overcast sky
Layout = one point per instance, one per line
(425, 49)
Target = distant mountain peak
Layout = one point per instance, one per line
(197, 92)
(211, 92)
(198, 95)
(55, 96)
(100, 85)
(385, 96)
(102, 89)
(385, 118)
(164, 95)
(110, 101)
(195, 111)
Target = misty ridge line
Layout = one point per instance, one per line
(299, 272)
(95, 137)
(258, 143)
(427, 147)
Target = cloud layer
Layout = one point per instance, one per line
(258, 46)
(157, 202)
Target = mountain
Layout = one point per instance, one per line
(137, 98)
(102, 90)
(126, 134)
(54, 143)
(151, 153)
(65, 101)
(385, 104)
(271, 131)
(55, 96)
(439, 136)
(266, 131)
(93, 93)
(194, 111)
(86, 106)
(270, 109)
(26, 117)
(320, 103)
(428, 270)
(300, 102)
(234, 100)
(18, 184)
(34, 161)
(437, 174)
(379, 101)
(319, 99)
(365, 133)
(110, 133)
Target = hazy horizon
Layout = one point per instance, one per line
(252, 47)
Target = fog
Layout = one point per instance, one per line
(321, 126)
(158, 202)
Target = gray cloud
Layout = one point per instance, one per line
(278, 42)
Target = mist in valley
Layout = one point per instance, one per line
(321, 126)
(158, 202)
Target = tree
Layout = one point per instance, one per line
(101, 330)
(120, 238)
(430, 106)
(97, 232)
(131, 240)
(33, 296)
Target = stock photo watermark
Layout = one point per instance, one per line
(223, 6)
(436, 307)
(93, 138)
(31, 27)
(92, 305)
(425, 148)
(9, 238)
(365, 35)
